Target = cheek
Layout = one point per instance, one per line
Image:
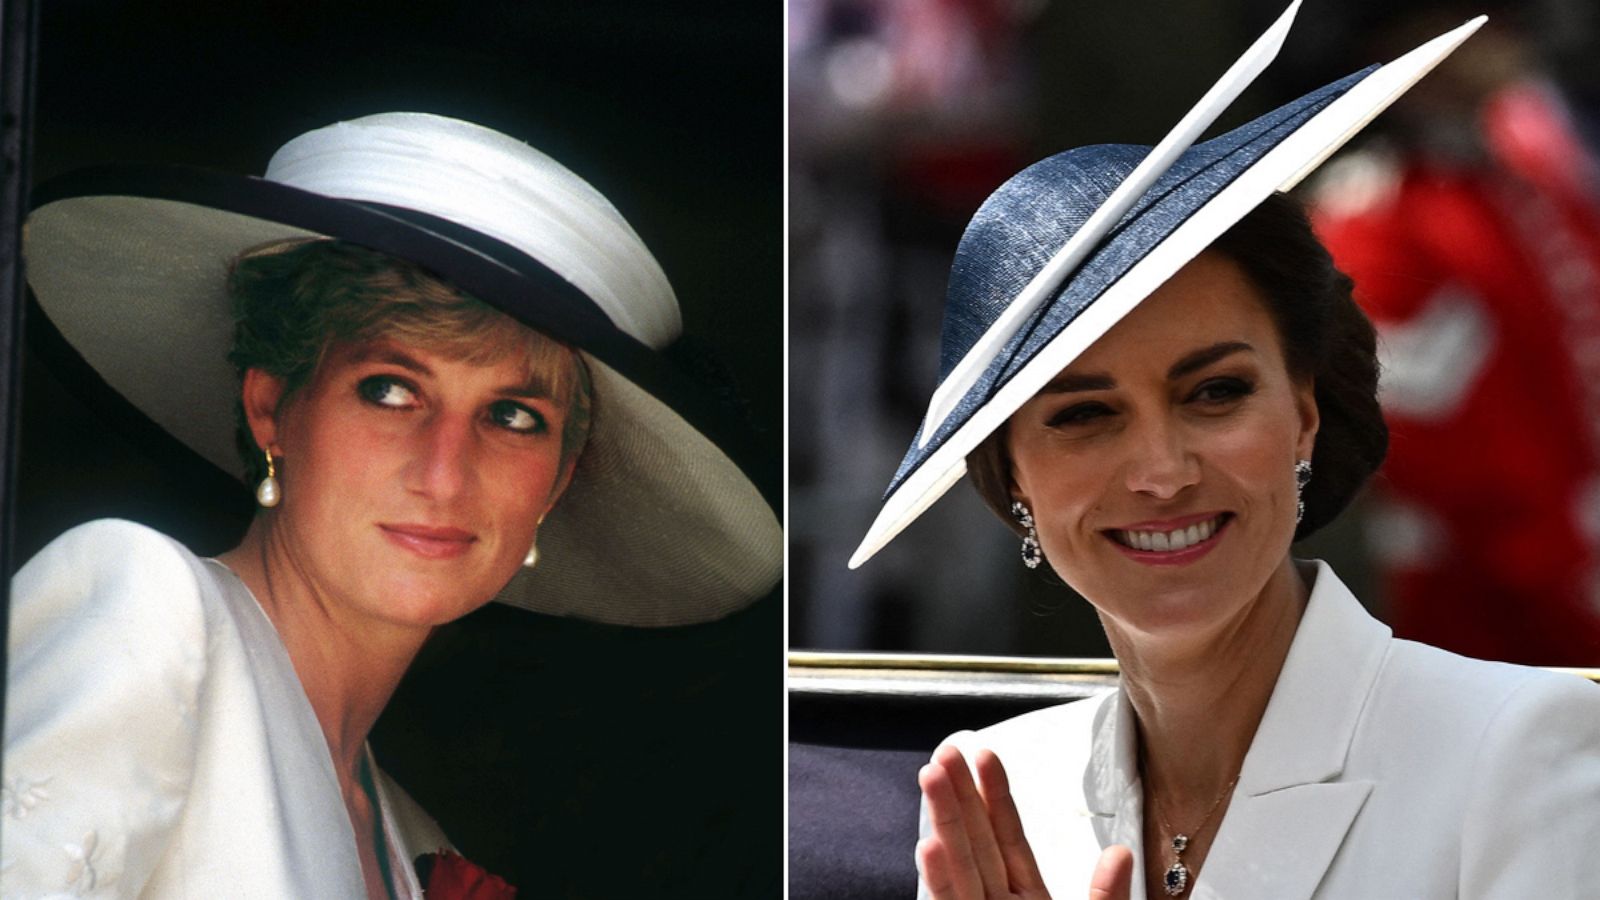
(1062, 485)
(1253, 457)
(324, 430)
(1263, 449)
(517, 486)
(1255, 464)
(319, 458)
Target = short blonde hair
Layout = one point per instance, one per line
(294, 299)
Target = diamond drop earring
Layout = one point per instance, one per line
(1302, 477)
(1031, 554)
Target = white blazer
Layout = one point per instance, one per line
(158, 743)
(1382, 770)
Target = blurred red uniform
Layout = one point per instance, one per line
(1483, 279)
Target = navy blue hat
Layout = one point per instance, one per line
(1068, 246)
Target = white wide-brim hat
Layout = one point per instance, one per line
(1066, 248)
(663, 523)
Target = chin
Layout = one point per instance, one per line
(427, 603)
(1178, 611)
(1164, 601)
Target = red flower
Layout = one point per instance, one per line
(448, 876)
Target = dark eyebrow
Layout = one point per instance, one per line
(1205, 356)
(1071, 382)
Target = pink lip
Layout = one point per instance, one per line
(1170, 557)
(430, 542)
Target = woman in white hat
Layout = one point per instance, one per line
(445, 387)
(1155, 375)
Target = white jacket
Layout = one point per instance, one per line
(1382, 770)
(158, 744)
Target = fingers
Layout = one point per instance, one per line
(983, 848)
(1113, 875)
(945, 857)
(1012, 844)
(938, 876)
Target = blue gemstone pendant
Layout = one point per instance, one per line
(1177, 879)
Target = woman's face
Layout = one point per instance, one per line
(1179, 429)
(413, 483)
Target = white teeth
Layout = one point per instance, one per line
(1169, 541)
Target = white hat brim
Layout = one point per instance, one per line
(659, 527)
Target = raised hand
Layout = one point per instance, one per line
(977, 850)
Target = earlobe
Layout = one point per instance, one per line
(561, 484)
(1017, 496)
(1310, 418)
(262, 394)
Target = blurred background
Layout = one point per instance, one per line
(1467, 214)
(575, 760)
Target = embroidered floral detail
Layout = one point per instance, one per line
(448, 876)
(81, 876)
(19, 795)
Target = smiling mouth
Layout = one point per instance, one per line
(1170, 541)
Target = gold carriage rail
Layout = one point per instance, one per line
(959, 676)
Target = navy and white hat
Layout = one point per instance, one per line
(1067, 247)
(662, 524)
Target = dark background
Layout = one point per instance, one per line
(577, 760)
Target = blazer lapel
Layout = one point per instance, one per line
(1289, 813)
(1111, 786)
(402, 862)
(1278, 845)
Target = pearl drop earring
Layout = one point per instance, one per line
(267, 493)
(532, 559)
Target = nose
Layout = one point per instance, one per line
(441, 464)
(1160, 463)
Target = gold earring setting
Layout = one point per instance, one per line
(267, 492)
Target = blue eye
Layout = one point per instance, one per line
(518, 418)
(384, 390)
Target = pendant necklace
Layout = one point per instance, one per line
(1177, 877)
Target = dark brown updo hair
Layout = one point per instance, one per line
(1326, 338)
